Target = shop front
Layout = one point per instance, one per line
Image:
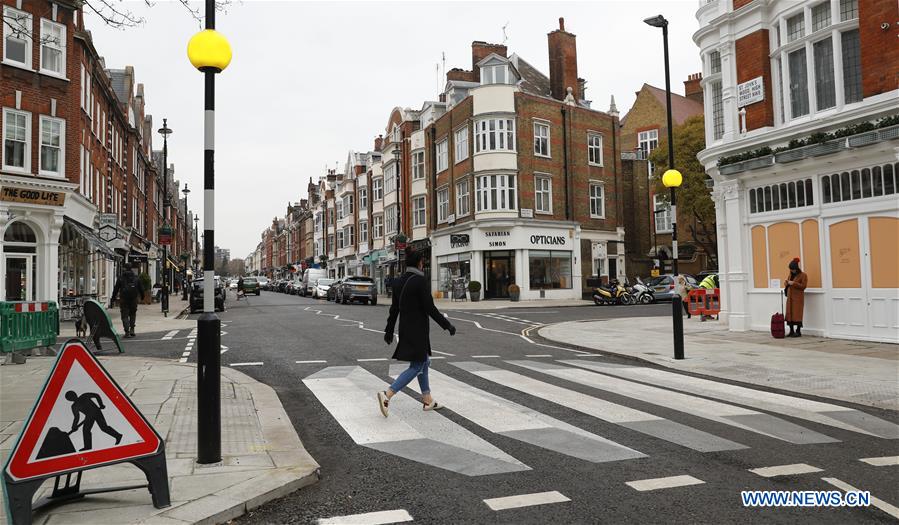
(541, 258)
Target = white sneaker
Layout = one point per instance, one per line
(383, 403)
(434, 405)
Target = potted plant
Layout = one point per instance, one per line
(514, 292)
(474, 290)
(145, 284)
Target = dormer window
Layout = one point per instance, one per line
(496, 70)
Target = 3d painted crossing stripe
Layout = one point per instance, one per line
(890, 509)
(310, 362)
(169, 335)
(735, 416)
(816, 411)
(644, 485)
(369, 518)
(884, 461)
(784, 470)
(526, 500)
(252, 363)
(506, 418)
(607, 411)
(348, 393)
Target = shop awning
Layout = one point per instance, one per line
(92, 239)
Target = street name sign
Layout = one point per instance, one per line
(750, 92)
(81, 420)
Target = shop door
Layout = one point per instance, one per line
(499, 270)
(20, 285)
(864, 278)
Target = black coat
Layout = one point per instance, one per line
(413, 303)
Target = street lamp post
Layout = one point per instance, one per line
(165, 131)
(209, 52)
(185, 191)
(196, 246)
(400, 254)
(671, 179)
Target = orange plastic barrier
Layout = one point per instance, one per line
(696, 301)
(712, 302)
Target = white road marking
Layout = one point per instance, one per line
(526, 500)
(224, 349)
(252, 363)
(882, 461)
(185, 354)
(732, 415)
(369, 518)
(892, 510)
(437, 357)
(169, 335)
(372, 359)
(538, 355)
(644, 485)
(182, 360)
(817, 411)
(311, 361)
(784, 470)
(483, 356)
(443, 353)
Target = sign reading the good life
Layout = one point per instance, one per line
(30, 196)
(750, 92)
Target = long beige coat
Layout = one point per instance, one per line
(796, 298)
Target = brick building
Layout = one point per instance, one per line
(649, 224)
(79, 188)
(801, 140)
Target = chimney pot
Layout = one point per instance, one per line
(561, 23)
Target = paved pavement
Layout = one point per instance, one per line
(856, 371)
(263, 458)
(149, 319)
(536, 431)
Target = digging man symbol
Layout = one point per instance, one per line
(93, 413)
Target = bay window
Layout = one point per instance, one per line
(390, 178)
(377, 189)
(496, 134)
(390, 219)
(825, 94)
(798, 84)
(495, 193)
(852, 66)
(418, 165)
(363, 232)
(363, 199)
(377, 226)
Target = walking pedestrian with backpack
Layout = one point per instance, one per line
(129, 290)
(413, 303)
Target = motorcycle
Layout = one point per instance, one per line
(642, 294)
(612, 293)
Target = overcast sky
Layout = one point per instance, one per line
(310, 81)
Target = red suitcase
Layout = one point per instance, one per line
(777, 325)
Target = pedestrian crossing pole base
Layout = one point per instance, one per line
(67, 487)
(209, 367)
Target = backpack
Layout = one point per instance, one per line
(128, 291)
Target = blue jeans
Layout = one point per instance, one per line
(416, 368)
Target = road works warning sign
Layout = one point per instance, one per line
(82, 419)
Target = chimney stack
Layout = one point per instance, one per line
(481, 50)
(563, 63)
(379, 142)
(692, 89)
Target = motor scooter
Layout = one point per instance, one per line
(612, 293)
(642, 294)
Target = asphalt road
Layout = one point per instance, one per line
(519, 422)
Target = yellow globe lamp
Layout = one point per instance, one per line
(209, 50)
(672, 179)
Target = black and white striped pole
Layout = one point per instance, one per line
(209, 52)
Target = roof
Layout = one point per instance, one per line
(532, 80)
(682, 107)
(117, 78)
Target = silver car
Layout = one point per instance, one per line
(357, 288)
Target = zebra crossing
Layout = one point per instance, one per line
(347, 393)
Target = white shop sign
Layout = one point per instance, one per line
(750, 92)
(511, 238)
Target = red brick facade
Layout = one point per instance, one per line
(879, 47)
(753, 61)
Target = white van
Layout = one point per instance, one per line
(309, 277)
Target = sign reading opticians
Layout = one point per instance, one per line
(31, 196)
(750, 92)
(549, 240)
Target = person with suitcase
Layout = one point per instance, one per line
(794, 290)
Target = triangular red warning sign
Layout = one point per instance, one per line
(81, 419)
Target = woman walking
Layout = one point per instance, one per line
(413, 303)
(795, 292)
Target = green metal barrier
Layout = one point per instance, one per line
(27, 325)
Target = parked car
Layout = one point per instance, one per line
(310, 276)
(294, 286)
(250, 286)
(320, 290)
(282, 285)
(232, 284)
(357, 288)
(663, 285)
(263, 282)
(196, 295)
(332, 291)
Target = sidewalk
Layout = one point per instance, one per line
(855, 371)
(149, 319)
(263, 458)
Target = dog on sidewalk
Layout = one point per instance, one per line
(81, 327)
